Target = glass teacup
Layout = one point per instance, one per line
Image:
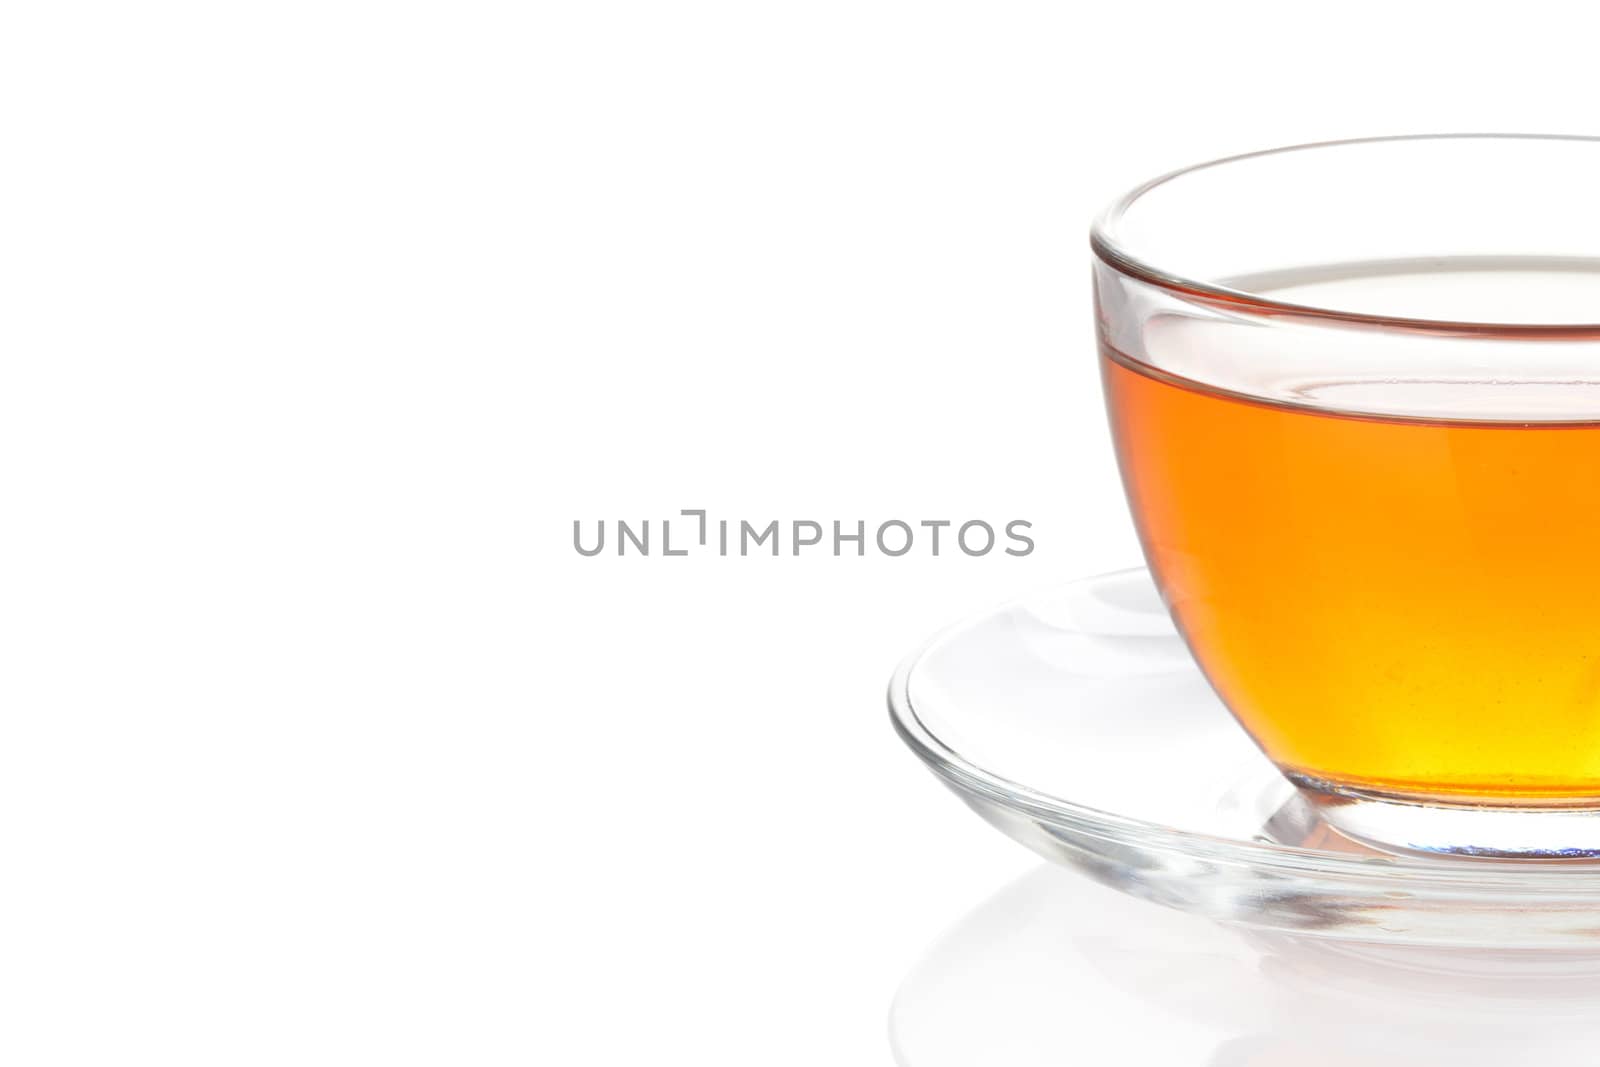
(1355, 394)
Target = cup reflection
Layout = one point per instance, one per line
(1053, 966)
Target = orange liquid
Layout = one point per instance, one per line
(1405, 606)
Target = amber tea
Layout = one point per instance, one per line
(1407, 605)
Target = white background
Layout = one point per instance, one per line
(320, 325)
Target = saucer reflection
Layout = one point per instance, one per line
(1053, 967)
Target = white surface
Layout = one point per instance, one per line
(322, 322)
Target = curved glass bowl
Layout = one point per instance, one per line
(1076, 723)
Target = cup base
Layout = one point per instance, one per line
(1411, 824)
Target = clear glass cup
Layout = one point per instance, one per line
(1355, 394)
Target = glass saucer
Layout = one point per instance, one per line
(1076, 723)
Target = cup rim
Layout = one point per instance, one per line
(1106, 246)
